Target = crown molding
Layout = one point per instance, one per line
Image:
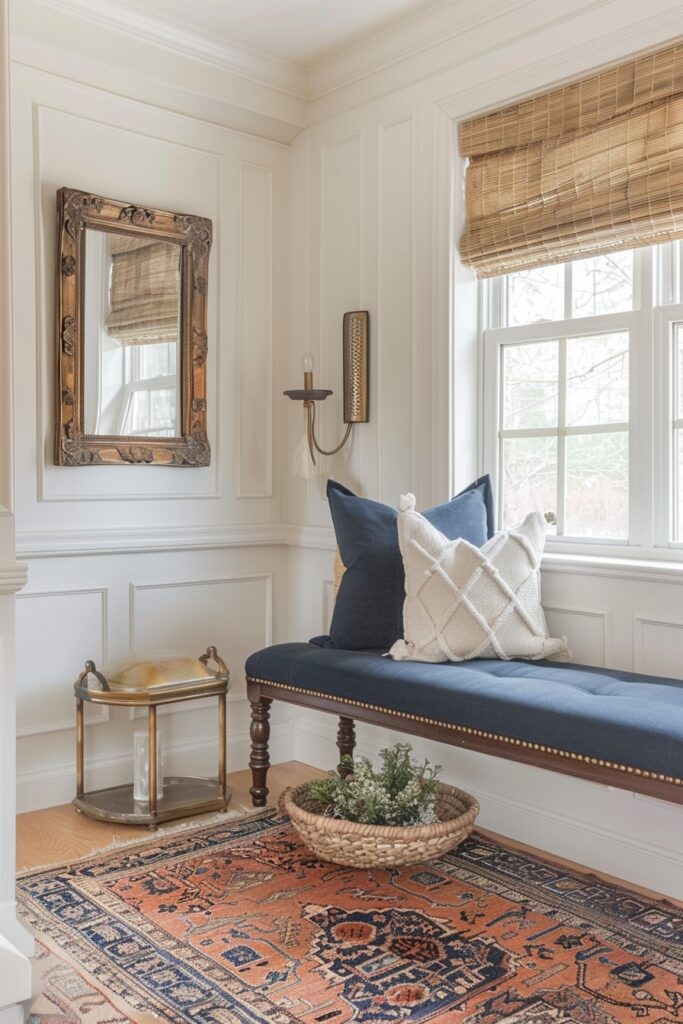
(255, 65)
(604, 50)
(407, 51)
(453, 52)
(278, 123)
(403, 38)
(407, 38)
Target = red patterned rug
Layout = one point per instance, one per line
(238, 922)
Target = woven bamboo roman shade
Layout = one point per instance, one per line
(144, 291)
(592, 167)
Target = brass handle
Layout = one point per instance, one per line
(91, 670)
(213, 655)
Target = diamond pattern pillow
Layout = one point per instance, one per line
(466, 602)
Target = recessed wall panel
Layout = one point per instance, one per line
(232, 613)
(340, 275)
(133, 165)
(587, 633)
(56, 633)
(394, 329)
(658, 646)
(255, 329)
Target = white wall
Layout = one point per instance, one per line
(125, 558)
(384, 209)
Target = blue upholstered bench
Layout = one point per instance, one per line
(612, 727)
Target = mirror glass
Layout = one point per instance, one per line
(131, 357)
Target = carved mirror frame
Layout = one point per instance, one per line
(77, 211)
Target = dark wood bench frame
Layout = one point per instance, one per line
(262, 693)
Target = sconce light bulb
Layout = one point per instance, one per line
(308, 362)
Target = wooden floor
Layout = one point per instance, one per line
(60, 834)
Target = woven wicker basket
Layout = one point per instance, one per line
(366, 846)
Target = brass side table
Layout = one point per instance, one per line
(140, 686)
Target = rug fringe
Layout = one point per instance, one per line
(196, 824)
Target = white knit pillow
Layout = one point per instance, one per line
(467, 602)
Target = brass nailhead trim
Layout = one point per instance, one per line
(629, 769)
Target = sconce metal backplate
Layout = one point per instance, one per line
(356, 367)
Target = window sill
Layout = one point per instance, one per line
(650, 569)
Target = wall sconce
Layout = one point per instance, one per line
(355, 356)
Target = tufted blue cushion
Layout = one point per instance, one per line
(618, 716)
(368, 612)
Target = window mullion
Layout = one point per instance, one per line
(500, 419)
(568, 298)
(580, 431)
(675, 292)
(492, 417)
(664, 388)
(561, 436)
(501, 311)
(643, 482)
(602, 323)
(665, 275)
(675, 514)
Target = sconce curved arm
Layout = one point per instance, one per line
(313, 445)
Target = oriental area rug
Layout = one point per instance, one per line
(238, 923)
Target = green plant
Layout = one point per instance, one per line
(402, 792)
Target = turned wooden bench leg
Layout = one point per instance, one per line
(346, 741)
(259, 762)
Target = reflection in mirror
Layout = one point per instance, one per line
(132, 335)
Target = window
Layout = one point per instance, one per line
(583, 398)
(149, 394)
(678, 430)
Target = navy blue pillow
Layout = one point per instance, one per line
(368, 612)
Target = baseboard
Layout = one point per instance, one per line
(53, 784)
(634, 838)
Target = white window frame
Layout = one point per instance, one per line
(148, 384)
(652, 482)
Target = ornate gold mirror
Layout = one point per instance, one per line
(131, 334)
